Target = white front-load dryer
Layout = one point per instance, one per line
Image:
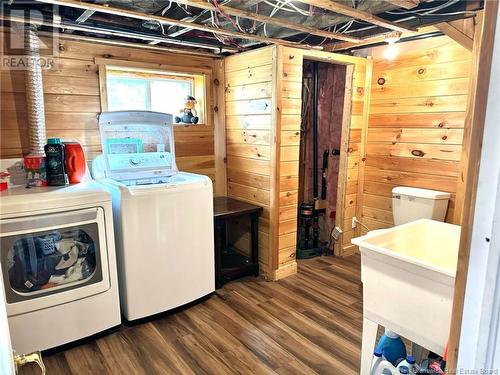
(58, 267)
(165, 243)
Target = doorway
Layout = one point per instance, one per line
(324, 128)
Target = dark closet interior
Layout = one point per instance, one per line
(323, 91)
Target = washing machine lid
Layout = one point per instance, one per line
(22, 200)
(179, 181)
(137, 145)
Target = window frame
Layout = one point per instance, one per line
(200, 77)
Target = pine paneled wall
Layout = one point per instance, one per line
(289, 95)
(72, 103)
(416, 123)
(249, 138)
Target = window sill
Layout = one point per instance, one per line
(180, 124)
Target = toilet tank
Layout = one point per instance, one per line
(410, 204)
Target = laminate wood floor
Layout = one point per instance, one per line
(309, 323)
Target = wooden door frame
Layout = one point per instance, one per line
(344, 141)
(343, 159)
(480, 336)
(476, 117)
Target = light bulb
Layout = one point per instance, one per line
(391, 51)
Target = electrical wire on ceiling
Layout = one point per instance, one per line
(276, 8)
(414, 15)
(346, 28)
(167, 8)
(254, 24)
(341, 30)
(185, 9)
(288, 6)
(216, 23)
(303, 12)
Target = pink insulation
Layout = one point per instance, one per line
(330, 110)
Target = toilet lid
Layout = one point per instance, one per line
(421, 193)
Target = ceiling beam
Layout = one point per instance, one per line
(104, 41)
(335, 7)
(120, 43)
(269, 20)
(376, 39)
(455, 34)
(56, 23)
(170, 21)
(406, 4)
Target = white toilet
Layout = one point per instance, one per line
(410, 204)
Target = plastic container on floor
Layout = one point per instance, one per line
(380, 365)
(392, 347)
(409, 362)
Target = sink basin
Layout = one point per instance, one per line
(408, 275)
(418, 243)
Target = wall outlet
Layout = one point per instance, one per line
(354, 222)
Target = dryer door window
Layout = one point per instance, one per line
(41, 261)
(64, 256)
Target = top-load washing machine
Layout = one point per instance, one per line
(58, 268)
(163, 218)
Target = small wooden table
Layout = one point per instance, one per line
(226, 209)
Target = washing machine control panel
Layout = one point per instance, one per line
(135, 161)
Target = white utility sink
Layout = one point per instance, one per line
(408, 275)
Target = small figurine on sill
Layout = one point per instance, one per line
(188, 113)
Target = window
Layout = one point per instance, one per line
(147, 90)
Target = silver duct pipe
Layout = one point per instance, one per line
(34, 93)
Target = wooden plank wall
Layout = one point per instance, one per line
(263, 110)
(289, 91)
(250, 137)
(72, 103)
(416, 123)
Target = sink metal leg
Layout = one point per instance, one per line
(370, 329)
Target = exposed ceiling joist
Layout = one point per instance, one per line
(269, 20)
(105, 41)
(406, 4)
(134, 45)
(105, 31)
(377, 39)
(333, 6)
(455, 34)
(171, 21)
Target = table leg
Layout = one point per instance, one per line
(220, 245)
(254, 229)
(368, 345)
